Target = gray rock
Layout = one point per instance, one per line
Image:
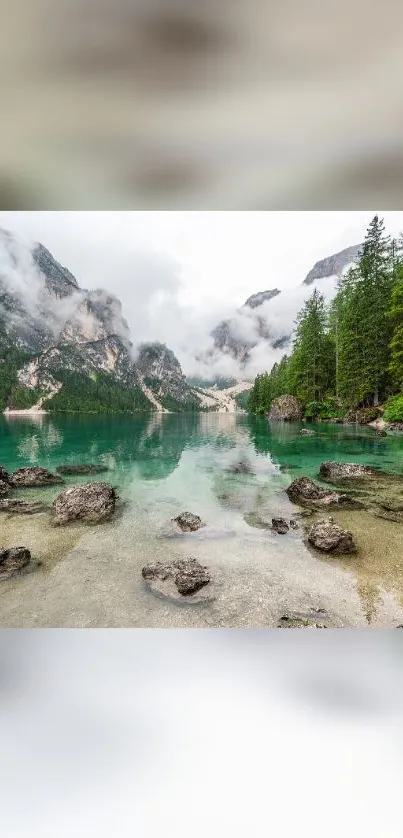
(188, 575)
(21, 507)
(34, 476)
(330, 538)
(81, 468)
(307, 432)
(303, 490)
(13, 560)
(338, 471)
(285, 409)
(4, 482)
(294, 525)
(279, 525)
(92, 502)
(188, 522)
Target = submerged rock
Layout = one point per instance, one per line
(303, 490)
(363, 415)
(256, 521)
(81, 468)
(188, 575)
(34, 476)
(339, 471)
(285, 409)
(307, 432)
(330, 538)
(13, 560)
(241, 467)
(21, 507)
(299, 619)
(92, 502)
(395, 426)
(279, 525)
(187, 522)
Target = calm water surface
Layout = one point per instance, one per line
(165, 464)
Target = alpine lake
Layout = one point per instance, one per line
(90, 575)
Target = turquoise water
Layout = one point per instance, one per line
(154, 448)
(165, 464)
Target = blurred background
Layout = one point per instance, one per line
(213, 732)
(183, 104)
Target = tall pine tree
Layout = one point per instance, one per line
(311, 367)
(364, 325)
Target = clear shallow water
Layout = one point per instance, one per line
(163, 465)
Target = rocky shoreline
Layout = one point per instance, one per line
(351, 487)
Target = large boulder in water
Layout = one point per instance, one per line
(91, 502)
(340, 471)
(188, 575)
(13, 560)
(285, 409)
(330, 538)
(305, 492)
(34, 476)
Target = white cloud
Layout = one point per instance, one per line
(178, 274)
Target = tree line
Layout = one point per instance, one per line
(347, 354)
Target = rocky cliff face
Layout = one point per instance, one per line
(334, 265)
(58, 326)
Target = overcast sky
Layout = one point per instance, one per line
(178, 273)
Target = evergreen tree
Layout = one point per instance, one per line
(396, 344)
(311, 368)
(364, 332)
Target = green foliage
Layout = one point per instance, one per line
(396, 343)
(363, 323)
(322, 410)
(242, 399)
(22, 398)
(311, 369)
(393, 411)
(349, 355)
(100, 394)
(11, 360)
(184, 407)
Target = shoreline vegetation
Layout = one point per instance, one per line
(347, 358)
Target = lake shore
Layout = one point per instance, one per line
(91, 574)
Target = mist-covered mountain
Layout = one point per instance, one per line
(62, 346)
(260, 331)
(333, 266)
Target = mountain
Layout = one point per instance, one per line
(333, 266)
(66, 348)
(238, 335)
(266, 320)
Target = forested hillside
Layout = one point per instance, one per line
(349, 354)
